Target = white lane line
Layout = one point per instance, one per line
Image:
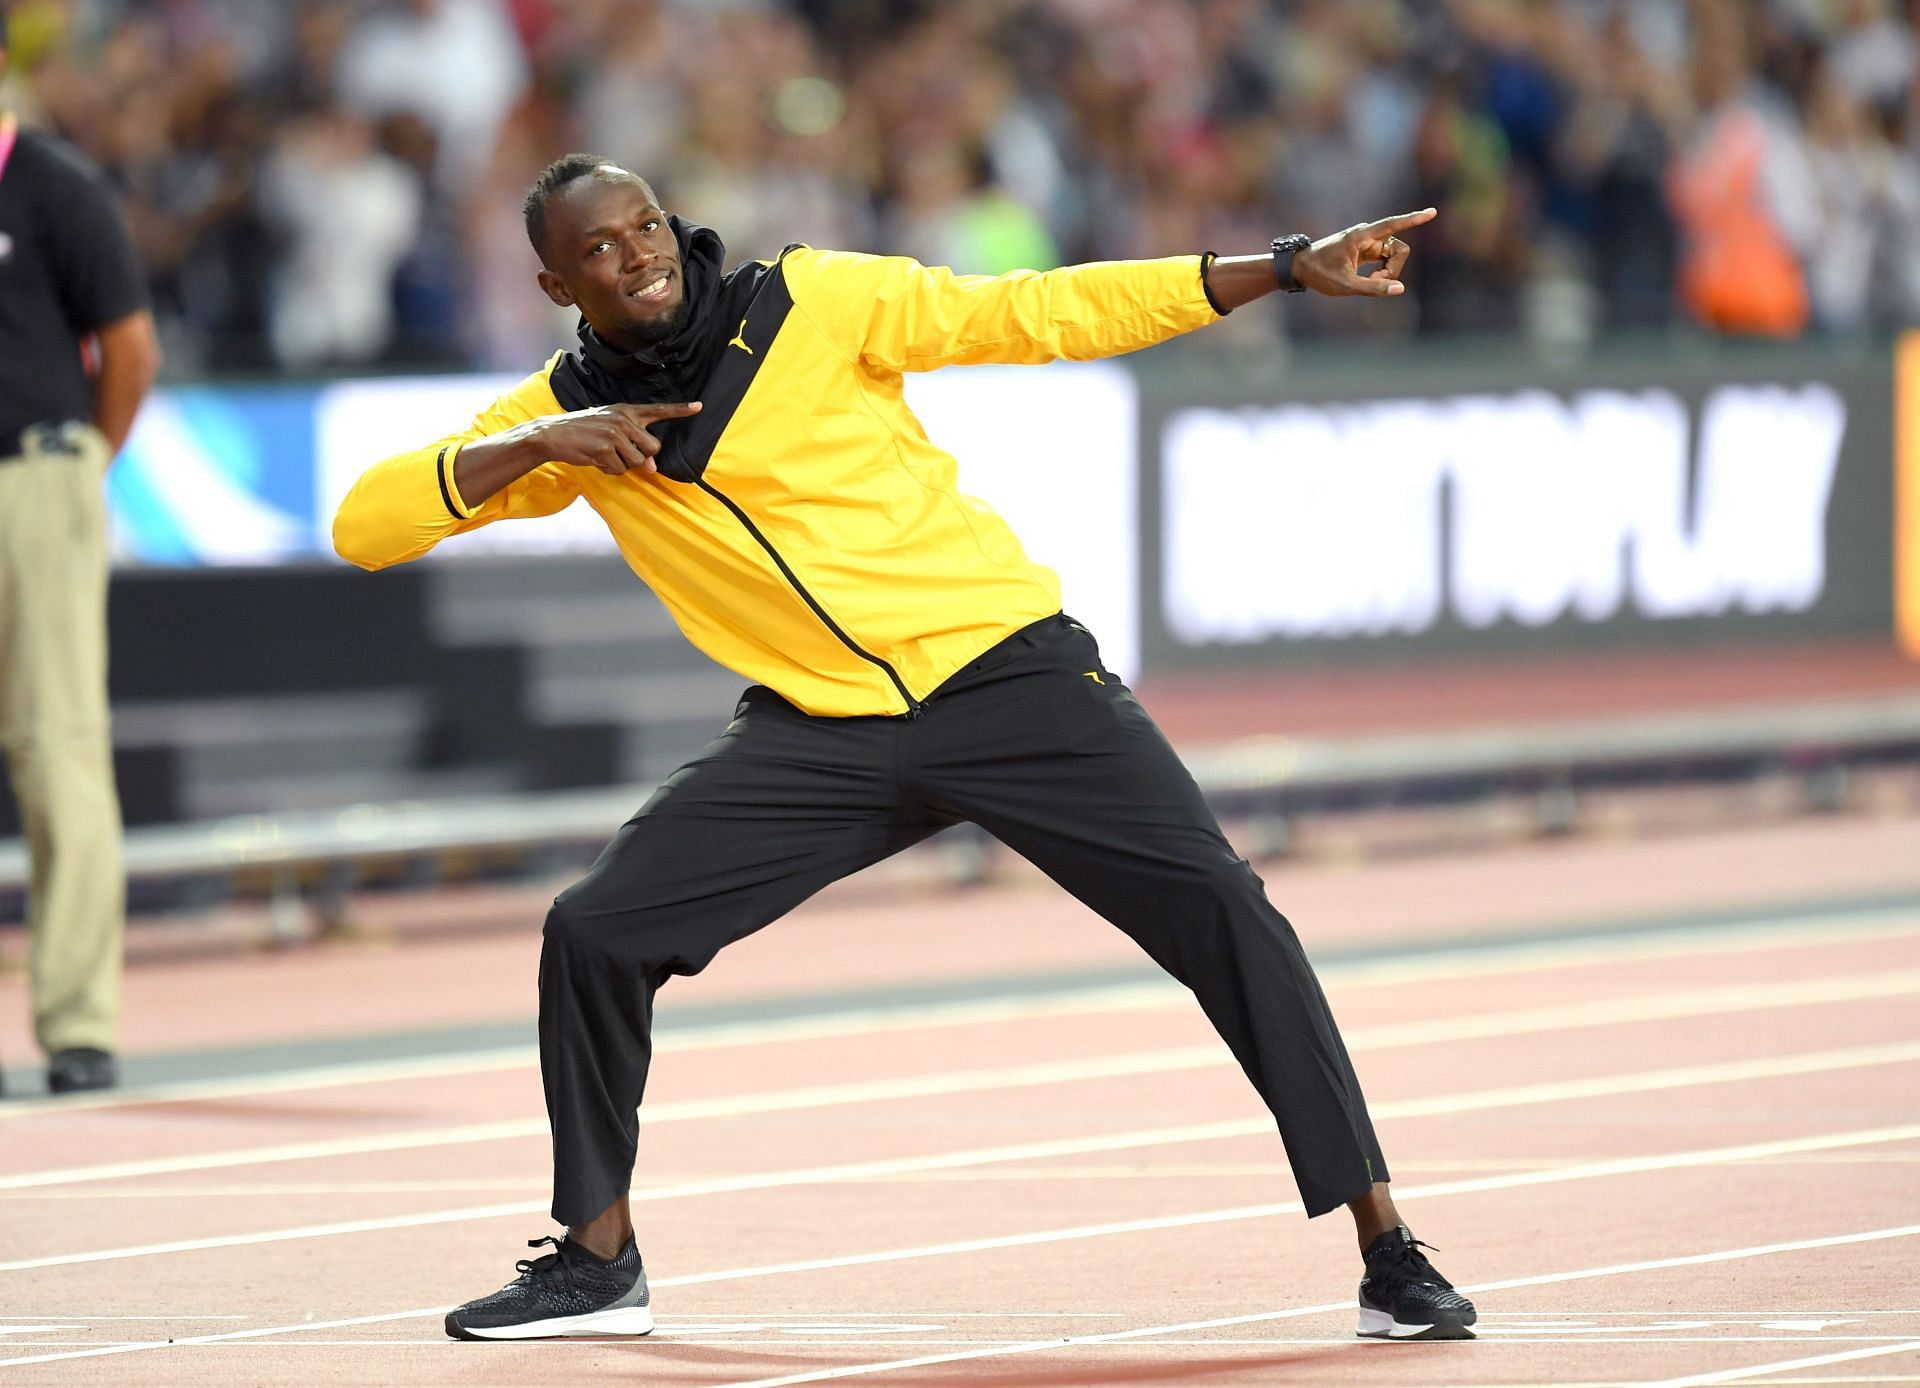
(1680, 942)
(1155, 1331)
(1068, 1002)
(1786, 1366)
(1472, 1101)
(848, 1318)
(1521, 956)
(133, 1347)
(1709, 1157)
(728, 1106)
(285, 1082)
(523, 1185)
(1525, 1021)
(664, 1335)
(1653, 1007)
(1624, 1166)
(502, 1131)
(1850, 1380)
(1898, 1231)
(1648, 1081)
(819, 1175)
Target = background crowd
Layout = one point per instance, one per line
(330, 183)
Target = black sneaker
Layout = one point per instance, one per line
(82, 1068)
(565, 1292)
(1402, 1297)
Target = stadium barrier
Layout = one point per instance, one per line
(306, 863)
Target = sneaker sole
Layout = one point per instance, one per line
(626, 1320)
(1380, 1325)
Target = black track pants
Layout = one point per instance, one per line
(1039, 745)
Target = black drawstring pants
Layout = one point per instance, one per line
(1038, 744)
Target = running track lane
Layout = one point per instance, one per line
(1807, 1149)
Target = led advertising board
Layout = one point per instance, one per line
(1470, 521)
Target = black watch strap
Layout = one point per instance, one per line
(1285, 248)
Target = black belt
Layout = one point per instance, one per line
(54, 438)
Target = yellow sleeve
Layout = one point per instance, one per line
(900, 315)
(405, 505)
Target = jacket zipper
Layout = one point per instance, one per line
(914, 707)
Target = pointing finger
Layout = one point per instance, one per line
(1387, 226)
(679, 409)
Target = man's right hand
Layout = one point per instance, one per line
(613, 438)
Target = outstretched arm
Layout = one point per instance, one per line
(897, 315)
(1335, 265)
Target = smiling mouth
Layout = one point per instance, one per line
(654, 291)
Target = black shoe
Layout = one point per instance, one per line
(70, 1072)
(1402, 1297)
(565, 1292)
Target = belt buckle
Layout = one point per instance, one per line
(63, 438)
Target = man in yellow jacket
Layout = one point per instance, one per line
(744, 436)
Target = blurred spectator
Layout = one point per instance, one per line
(1600, 164)
(1471, 265)
(457, 64)
(348, 213)
(1869, 213)
(1743, 189)
(1617, 147)
(1872, 55)
(507, 325)
(949, 211)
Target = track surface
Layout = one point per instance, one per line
(1663, 1152)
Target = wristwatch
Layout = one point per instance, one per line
(1285, 248)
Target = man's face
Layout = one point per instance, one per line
(611, 254)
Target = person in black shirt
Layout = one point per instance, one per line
(71, 294)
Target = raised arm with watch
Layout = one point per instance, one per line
(1364, 259)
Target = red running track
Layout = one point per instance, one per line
(1687, 1155)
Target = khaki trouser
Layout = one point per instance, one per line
(54, 726)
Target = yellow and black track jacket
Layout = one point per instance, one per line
(802, 529)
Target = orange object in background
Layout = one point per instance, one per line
(1738, 272)
(1906, 493)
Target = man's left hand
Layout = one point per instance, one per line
(1332, 265)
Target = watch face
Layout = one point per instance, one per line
(1285, 248)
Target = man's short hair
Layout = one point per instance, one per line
(552, 179)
